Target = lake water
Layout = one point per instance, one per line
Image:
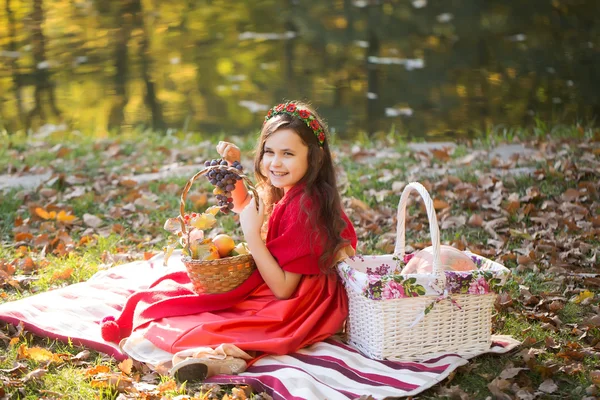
(428, 69)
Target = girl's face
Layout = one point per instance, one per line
(285, 159)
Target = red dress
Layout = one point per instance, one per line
(250, 316)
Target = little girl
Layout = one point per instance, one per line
(294, 298)
(308, 229)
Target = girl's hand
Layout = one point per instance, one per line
(252, 219)
(229, 152)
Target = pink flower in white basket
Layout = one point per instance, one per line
(373, 278)
(393, 290)
(479, 286)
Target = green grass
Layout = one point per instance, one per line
(9, 204)
(144, 152)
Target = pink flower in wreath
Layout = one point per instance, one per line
(393, 290)
(280, 107)
(479, 286)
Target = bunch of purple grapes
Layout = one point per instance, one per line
(224, 182)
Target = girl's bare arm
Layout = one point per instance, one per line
(282, 283)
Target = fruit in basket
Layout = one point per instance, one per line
(451, 259)
(204, 250)
(224, 178)
(240, 249)
(224, 244)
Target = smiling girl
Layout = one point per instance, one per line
(292, 300)
(307, 230)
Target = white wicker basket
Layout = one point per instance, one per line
(429, 318)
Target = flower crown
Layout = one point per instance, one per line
(304, 115)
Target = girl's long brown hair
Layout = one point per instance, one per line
(320, 183)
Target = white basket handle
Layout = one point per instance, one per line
(433, 228)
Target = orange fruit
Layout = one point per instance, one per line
(224, 244)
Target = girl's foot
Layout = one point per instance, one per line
(198, 369)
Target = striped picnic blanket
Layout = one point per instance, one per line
(325, 370)
(333, 370)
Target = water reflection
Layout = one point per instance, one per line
(425, 68)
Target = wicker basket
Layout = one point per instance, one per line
(223, 274)
(428, 318)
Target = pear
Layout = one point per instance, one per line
(204, 250)
(240, 249)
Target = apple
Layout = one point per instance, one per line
(224, 244)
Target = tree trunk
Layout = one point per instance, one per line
(16, 77)
(289, 45)
(341, 84)
(373, 100)
(43, 82)
(123, 16)
(146, 63)
(485, 99)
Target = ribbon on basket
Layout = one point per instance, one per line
(443, 296)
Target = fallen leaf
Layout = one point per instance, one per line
(81, 356)
(98, 369)
(442, 154)
(47, 192)
(62, 275)
(595, 377)
(35, 374)
(125, 366)
(357, 204)
(92, 221)
(167, 386)
(440, 204)
(119, 382)
(128, 183)
(475, 220)
(548, 386)
(23, 236)
(570, 195)
(145, 202)
(497, 387)
(453, 392)
(593, 321)
(42, 355)
(45, 214)
(511, 372)
(65, 218)
(16, 370)
(586, 294)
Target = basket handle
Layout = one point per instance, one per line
(204, 171)
(433, 228)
